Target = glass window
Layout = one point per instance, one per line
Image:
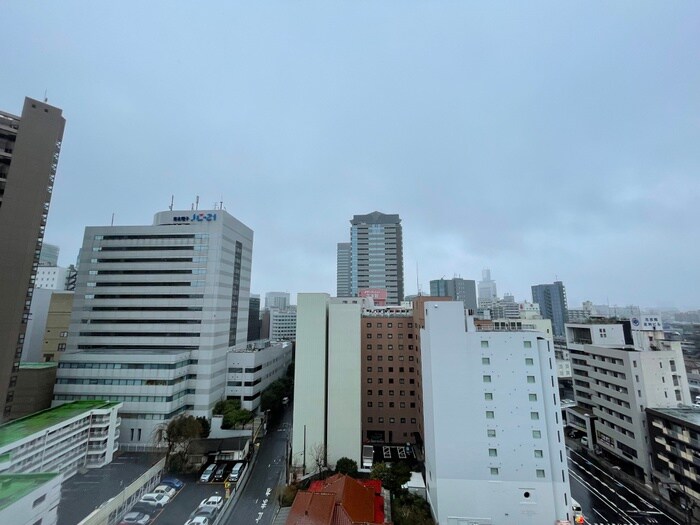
(488, 396)
(532, 397)
(529, 361)
(540, 473)
(494, 471)
(538, 454)
(485, 361)
(534, 415)
(491, 433)
(527, 344)
(530, 379)
(484, 344)
(493, 452)
(490, 414)
(536, 434)
(486, 379)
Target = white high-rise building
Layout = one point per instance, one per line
(277, 300)
(327, 380)
(156, 310)
(283, 324)
(494, 442)
(487, 289)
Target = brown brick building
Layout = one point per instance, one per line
(392, 397)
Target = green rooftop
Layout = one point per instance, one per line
(37, 366)
(26, 426)
(15, 486)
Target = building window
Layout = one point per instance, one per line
(369, 392)
(534, 415)
(369, 420)
(486, 379)
(536, 434)
(527, 344)
(491, 433)
(369, 369)
(488, 396)
(61, 347)
(369, 379)
(530, 379)
(380, 404)
(540, 473)
(369, 347)
(484, 344)
(494, 471)
(490, 414)
(529, 361)
(39, 501)
(381, 420)
(485, 361)
(493, 452)
(403, 420)
(369, 404)
(369, 336)
(369, 325)
(532, 397)
(413, 420)
(392, 420)
(538, 454)
(369, 358)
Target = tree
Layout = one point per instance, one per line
(409, 509)
(318, 457)
(206, 426)
(392, 477)
(179, 434)
(346, 466)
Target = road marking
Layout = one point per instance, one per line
(602, 497)
(260, 515)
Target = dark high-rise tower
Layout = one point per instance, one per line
(377, 254)
(552, 301)
(29, 149)
(344, 266)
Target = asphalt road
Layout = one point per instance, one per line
(258, 503)
(606, 501)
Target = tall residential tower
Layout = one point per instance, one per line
(552, 301)
(29, 149)
(377, 254)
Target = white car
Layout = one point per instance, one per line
(213, 502)
(154, 500)
(164, 489)
(135, 518)
(198, 520)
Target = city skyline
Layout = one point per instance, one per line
(542, 147)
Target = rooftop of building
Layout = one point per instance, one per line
(37, 366)
(687, 414)
(14, 487)
(28, 425)
(376, 217)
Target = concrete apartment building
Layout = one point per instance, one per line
(619, 369)
(457, 289)
(494, 441)
(674, 434)
(252, 367)
(376, 258)
(30, 499)
(29, 148)
(156, 310)
(62, 439)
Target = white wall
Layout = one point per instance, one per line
(309, 378)
(344, 383)
(461, 486)
(23, 511)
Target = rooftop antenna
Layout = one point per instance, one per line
(221, 203)
(112, 223)
(172, 201)
(46, 95)
(196, 202)
(417, 281)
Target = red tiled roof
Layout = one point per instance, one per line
(312, 508)
(357, 501)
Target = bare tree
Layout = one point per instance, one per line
(318, 456)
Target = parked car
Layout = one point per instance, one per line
(164, 489)
(236, 472)
(198, 520)
(207, 512)
(213, 502)
(208, 473)
(221, 472)
(172, 482)
(584, 441)
(135, 518)
(156, 501)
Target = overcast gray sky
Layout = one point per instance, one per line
(541, 140)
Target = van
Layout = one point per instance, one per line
(220, 473)
(208, 473)
(236, 472)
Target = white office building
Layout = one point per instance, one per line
(327, 374)
(618, 370)
(277, 300)
(283, 324)
(156, 310)
(61, 439)
(494, 442)
(488, 294)
(254, 366)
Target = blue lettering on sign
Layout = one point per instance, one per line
(196, 217)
